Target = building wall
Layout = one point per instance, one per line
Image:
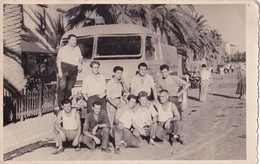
(42, 25)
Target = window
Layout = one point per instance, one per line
(151, 48)
(41, 16)
(85, 45)
(118, 46)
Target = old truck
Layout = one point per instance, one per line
(124, 45)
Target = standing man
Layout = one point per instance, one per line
(143, 82)
(94, 87)
(145, 119)
(71, 127)
(168, 120)
(115, 88)
(69, 63)
(174, 85)
(123, 123)
(205, 81)
(96, 128)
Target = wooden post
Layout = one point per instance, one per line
(40, 97)
(185, 100)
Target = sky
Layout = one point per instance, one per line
(229, 20)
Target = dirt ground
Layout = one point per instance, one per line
(214, 130)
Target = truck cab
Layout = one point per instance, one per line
(124, 45)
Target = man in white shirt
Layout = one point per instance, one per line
(123, 124)
(168, 120)
(145, 118)
(143, 82)
(94, 87)
(205, 81)
(69, 63)
(70, 129)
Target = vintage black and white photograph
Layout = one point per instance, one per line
(128, 81)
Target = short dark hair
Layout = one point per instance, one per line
(164, 90)
(66, 101)
(98, 103)
(142, 65)
(94, 62)
(131, 96)
(164, 66)
(118, 68)
(203, 65)
(72, 35)
(142, 94)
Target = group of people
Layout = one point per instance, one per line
(151, 111)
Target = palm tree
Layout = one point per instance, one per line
(13, 74)
(52, 34)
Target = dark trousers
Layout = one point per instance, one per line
(94, 98)
(175, 128)
(102, 134)
(149, 131)
(66, 83)
(175, 100)
(125, 135)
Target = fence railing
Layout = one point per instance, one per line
(27, 104)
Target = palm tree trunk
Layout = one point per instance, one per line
(13, 71)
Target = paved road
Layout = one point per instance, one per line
(214, 130)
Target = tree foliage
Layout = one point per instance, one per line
(179, 25)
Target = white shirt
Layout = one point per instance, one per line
(205, 74)
(126, 117)
(137, 85)
(114, 89)
(169, 113)
(69, 122)
(94, 85)
(70, 55)
(143, 115)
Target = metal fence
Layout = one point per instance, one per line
(27, 104)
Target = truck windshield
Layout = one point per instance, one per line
(118, 46)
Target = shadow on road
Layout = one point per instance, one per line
(226, 96)
(193, 98)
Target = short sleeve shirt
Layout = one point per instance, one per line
(144, 115)
(137, 85)
(171, 84)
(91, 122)
(94, 85)
(114, 89)
(70, 55)
(205, 75)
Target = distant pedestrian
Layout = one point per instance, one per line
(69, 63)
(70, 129)
(174, 85)
(205, 81)
(96, 128)
(232, 68)
(94, 87)
(241, 84)
(143, 82)
(221, 71)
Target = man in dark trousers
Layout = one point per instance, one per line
(69, 63)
